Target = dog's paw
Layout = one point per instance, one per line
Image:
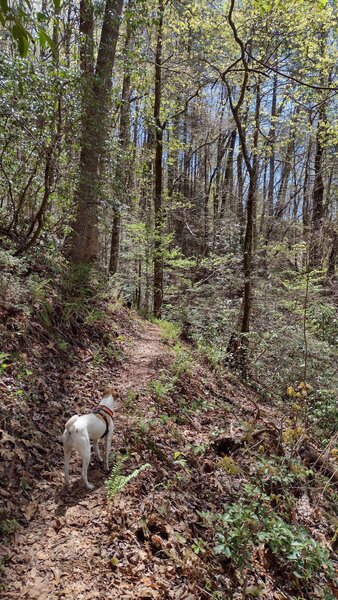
(89, 486)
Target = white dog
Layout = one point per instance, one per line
(80, 430)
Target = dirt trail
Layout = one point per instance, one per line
(64, 552)
(145, 354)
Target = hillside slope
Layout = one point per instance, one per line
(213, 447)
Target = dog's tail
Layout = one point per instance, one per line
(70, 426)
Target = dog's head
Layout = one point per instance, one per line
(110, 391)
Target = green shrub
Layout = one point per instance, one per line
(170, 332)
(183, 361)
(161, 389)
(323, 411)
(250, 523)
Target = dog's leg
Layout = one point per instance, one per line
(84, 450)
(108, 447)
(97, 451)
(85, 464)
(67, 449)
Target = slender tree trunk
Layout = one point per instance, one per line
(247, 254)
(272, 139)
(227, 195)
(306, 192)
(255, 164)
(240, 192)
(205, 247)
(283, 187)
(318, 195)
(238, 345)
(217, 192)
(122, 170)
(158, 209)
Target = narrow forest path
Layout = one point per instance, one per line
(64, 550)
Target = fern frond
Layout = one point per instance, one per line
(116, 481)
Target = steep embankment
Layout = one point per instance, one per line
(211, 444)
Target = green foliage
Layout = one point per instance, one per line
(183, 361)
(3, 358)
(79, 278)
(323, 411)
(199, 546)
(179, 459)
(198, 449)
(7, 527)
(228, 465)
(130, 398)
(116, 481)
(24, 25)
(161, 389)
(170, 332)
(214, 353)
(280, 475)
(246, 525)
(95, 315)
(323, 321)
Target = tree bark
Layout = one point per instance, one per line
(238, 345)
(318, 195)
(95, 113)
(272, 138)
(227, 195)
(158, 209)
(122, 170)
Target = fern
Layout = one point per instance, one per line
(116, 481)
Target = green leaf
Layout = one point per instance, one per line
(298, 575)
(20, 34)
(41, 17)
(45, 39)
(4, 6)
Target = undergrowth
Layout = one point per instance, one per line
(245, 527)
(116, 482)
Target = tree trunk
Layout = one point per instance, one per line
(95, 115)
(240, 188)
(227, 195)
(272, 139)
(306, 192)
(158, 210)
(122, 171)
(317, 196)
(331, 268)
(238, 345)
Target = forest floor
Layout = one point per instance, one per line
(150, 540)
